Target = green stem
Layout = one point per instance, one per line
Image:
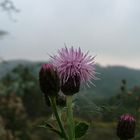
(53, 103)
(70, 118)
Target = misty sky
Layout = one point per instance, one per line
(109, 29)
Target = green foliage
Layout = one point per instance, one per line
(81, 129)
(89, 104)
(23, 82)
(52, 128)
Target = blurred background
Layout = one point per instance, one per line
(32, 30)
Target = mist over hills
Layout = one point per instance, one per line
(109, 78)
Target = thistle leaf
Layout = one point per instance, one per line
(52, 128)
(81, 129)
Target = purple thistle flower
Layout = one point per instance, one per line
(127, 117)
(126, 127)
(72, 62)
(73, 65)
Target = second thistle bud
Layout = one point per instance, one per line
(49, 80)
(126, 127)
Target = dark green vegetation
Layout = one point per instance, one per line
(107, 85)
(22, 106)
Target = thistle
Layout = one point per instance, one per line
(126, 127)
(50, 86)
(74, 67)
(49, 80)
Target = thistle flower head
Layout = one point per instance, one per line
(126, 127)
(49, 80)
(127, 117)
(48, 67)
(73, 62)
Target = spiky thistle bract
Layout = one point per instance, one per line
(74, 65)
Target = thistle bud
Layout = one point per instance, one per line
(49, 80)
(126, 127)
(71, 86)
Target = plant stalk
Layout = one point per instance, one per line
(70, 118)
(53, 103)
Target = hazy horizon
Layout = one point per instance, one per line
(45, 61)
(108, 29)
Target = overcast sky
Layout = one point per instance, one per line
(109, 29)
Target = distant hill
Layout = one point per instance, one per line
(110, 79)
(7, 66)
(108, 85)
